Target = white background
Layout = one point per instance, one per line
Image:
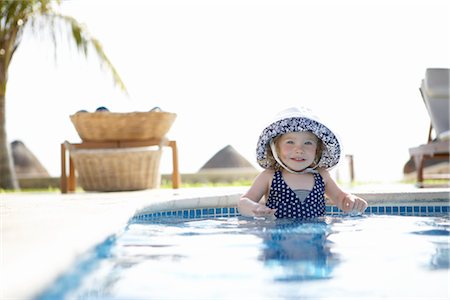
(226, 67)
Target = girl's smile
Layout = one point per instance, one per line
(298, 159)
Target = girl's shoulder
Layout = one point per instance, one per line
(267, 173)
(265, 176)
(324, 173)
(262, 183)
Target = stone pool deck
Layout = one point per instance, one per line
(42, 234)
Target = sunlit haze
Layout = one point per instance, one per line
(226, 67)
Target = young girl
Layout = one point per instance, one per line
(296, 150)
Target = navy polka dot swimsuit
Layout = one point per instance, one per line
(284, 199)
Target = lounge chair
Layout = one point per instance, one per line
(435, 94)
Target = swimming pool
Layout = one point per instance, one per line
(191, 254)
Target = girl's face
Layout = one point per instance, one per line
(297, 150)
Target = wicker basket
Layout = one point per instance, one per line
(120, 169)
(133, 126)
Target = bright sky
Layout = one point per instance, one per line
(226, 67)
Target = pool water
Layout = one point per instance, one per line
(365, 257)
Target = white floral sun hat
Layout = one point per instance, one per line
(297, 120)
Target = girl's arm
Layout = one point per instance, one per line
(345, 201)
(248, 203)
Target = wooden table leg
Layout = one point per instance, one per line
(176, 178)
(72, 182)
(63, 179)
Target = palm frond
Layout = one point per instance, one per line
(84, 41)
(16, 13)
(40, 16)
(81, 37)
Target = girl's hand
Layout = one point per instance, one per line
(263, 211)
(353, 203)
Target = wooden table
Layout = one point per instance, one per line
(68, 182)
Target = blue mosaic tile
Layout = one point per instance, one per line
(330, 210)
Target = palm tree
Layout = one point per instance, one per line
(16, 15)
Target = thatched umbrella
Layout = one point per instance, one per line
(26, 163)
(228, 158)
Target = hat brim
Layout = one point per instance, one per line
(331, 152)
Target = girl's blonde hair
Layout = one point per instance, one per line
(274, 165)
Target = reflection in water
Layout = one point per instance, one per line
(441, 258)
(298, 250)
(244, 258)
(439, 236)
